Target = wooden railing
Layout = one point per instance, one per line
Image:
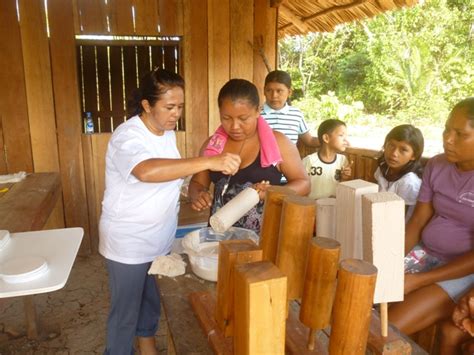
(364, 160)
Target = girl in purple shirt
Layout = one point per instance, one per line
(443, 222)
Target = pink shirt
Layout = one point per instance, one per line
(450, 232)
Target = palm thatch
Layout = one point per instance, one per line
(302, 16)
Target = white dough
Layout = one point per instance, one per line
(233, 210)
(168, 265)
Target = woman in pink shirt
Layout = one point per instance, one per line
(442, 226)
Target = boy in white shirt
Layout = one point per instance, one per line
(327, 167)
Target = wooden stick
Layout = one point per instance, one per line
(311, 339)
(384, 318)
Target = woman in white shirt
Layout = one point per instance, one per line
(144, 174)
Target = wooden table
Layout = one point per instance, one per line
(185, 334)
(26, 206)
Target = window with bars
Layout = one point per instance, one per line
(110, 68)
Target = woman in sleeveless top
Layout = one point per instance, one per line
(264, 157)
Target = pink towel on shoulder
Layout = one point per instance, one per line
(269, 150)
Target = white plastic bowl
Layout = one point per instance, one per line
(202, 247)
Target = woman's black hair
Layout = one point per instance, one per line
(414, 137)
(239, 89)
(279, 76)
(327, 127)
(152, 86)
(468, 106)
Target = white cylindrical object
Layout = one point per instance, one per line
(233, 210)
(326, 218)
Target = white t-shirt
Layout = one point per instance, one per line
(407, 187)
(139, 219)
(324, 176)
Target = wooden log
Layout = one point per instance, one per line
(326, 218)
(320, 283)
(259, 309)
(354, 294)
(349, 216)
(231, 253)
(296, 230)
(270, 230)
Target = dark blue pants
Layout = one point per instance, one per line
(134, 306)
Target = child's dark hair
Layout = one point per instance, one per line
(327, 127)
(239, 89)
(152, 86)
(414, 137)
(279, 76)
(467, 105)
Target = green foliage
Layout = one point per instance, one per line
(411, 65)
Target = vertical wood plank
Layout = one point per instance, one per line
(241, 46)
(265, 43)
(130, 70)
(3, 162)
(13, 105)
(219, 55)
(105, 114)
(116, 78)
(170, 12)
(195, 74)
(121, 20)
(146, 17)
(39, 89)
(92, 16)
(68, 115)
(94, 148)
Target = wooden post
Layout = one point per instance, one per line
(352, 307)
(31, 318)
(349, 216)
(259, 309)
(383, 214)
(270, 229)
(319, 285)
(326, 218)
(231, 253)
(296, 230)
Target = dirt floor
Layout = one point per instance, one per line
(73, 318)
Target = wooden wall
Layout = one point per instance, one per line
(40, 112)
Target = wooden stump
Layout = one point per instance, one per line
(296, 231)
(260, 309)
(270, 229)
(352, 307)
(231, 253)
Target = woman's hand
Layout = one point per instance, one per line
(261, 188)
(463, 314)
(201, 200)
(227, 163)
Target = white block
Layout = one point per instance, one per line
(349, 216)
(326, 218)
(384, 243)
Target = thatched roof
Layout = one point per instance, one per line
(303, 16)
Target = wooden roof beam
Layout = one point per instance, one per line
(292, 18)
